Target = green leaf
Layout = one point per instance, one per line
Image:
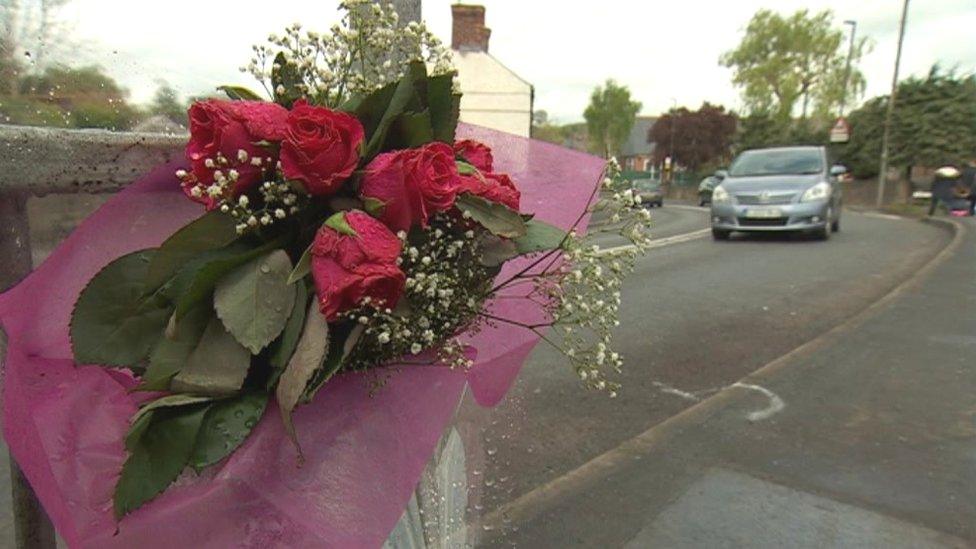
(171, 354)
(311, 351)
(338, 223)
(409, 130)
(113, 324)
(196, 281)
(255, 300)
(374, 206)
(168, 401)
(496, 250)
(285, 77)
(293, 330)
(539, 236)
(444, 107)
(380, 110)
(499, 219)
(217, 366)
(157, 456)
(344, 339)
(209, 232)
(303, 267)
(240, 93)
(226, 426)
(466, 169)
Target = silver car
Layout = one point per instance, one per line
(781, 189)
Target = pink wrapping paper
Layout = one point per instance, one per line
(364, 454)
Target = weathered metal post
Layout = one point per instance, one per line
(32, 527)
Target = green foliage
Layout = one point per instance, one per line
(240, 93)
(211, 231)
(610, 117)
(158, 455)
(113, 322)
(499, 219)
(763, 129)
(700, 137)
(166, 102)
(217, 366)
(933, 124)
(67, 97)
(255, 300)
(407, 113)
(226, 426)
(310, 352)
(172, 352)
(539, 236)
(782, 61)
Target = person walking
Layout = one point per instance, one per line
(969, 181)
(944, 187)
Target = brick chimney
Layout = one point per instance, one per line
(469, 32)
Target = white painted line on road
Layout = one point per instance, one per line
(660, 242)
(776, 404)
(687, 207)
(665, 388)
(882, 216)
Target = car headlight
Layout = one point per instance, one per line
(820, 191)
(721, 196)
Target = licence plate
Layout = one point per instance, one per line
(763, 213)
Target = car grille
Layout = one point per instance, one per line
(763, 200)
(775, 222)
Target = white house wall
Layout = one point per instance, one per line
(493, 96)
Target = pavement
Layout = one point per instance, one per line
(842, 412)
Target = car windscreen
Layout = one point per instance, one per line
(777, 162)
(647, 185)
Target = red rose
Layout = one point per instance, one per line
(354, 257)
(477, 154)
(496, 187)
(224, 128)
(405, 188)
(321, 148)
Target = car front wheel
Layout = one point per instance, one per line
(719, 234)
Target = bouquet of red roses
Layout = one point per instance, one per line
(345, 229)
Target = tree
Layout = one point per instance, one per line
(167, 103)
(700, 137)
(763, 129)
(63, 96)
(610, 117)
(933, 124)
(782, 61)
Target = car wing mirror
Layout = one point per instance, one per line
(837, 170)
(721, 174)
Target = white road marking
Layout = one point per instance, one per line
(665, 388)
(776, 404)
(877, 215)
(689, 208)
(660, 242)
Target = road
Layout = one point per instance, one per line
(697, 316)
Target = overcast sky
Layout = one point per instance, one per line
(661, 50)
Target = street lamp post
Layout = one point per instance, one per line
(883, 176)
(847, 69)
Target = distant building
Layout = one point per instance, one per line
(637, 153)
(493, 95)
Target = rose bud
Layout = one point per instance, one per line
(475, 153)
(321, 147)
(353, 257)
(496, 187)
(226, 128)
(405, 188)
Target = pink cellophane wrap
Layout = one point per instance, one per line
(364, 454)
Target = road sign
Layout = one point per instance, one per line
(841, 132)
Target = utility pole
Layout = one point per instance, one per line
(674, 119)
(883, 176)
(847, 69)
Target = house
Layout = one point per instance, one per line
(493, 95)
(637, 152)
